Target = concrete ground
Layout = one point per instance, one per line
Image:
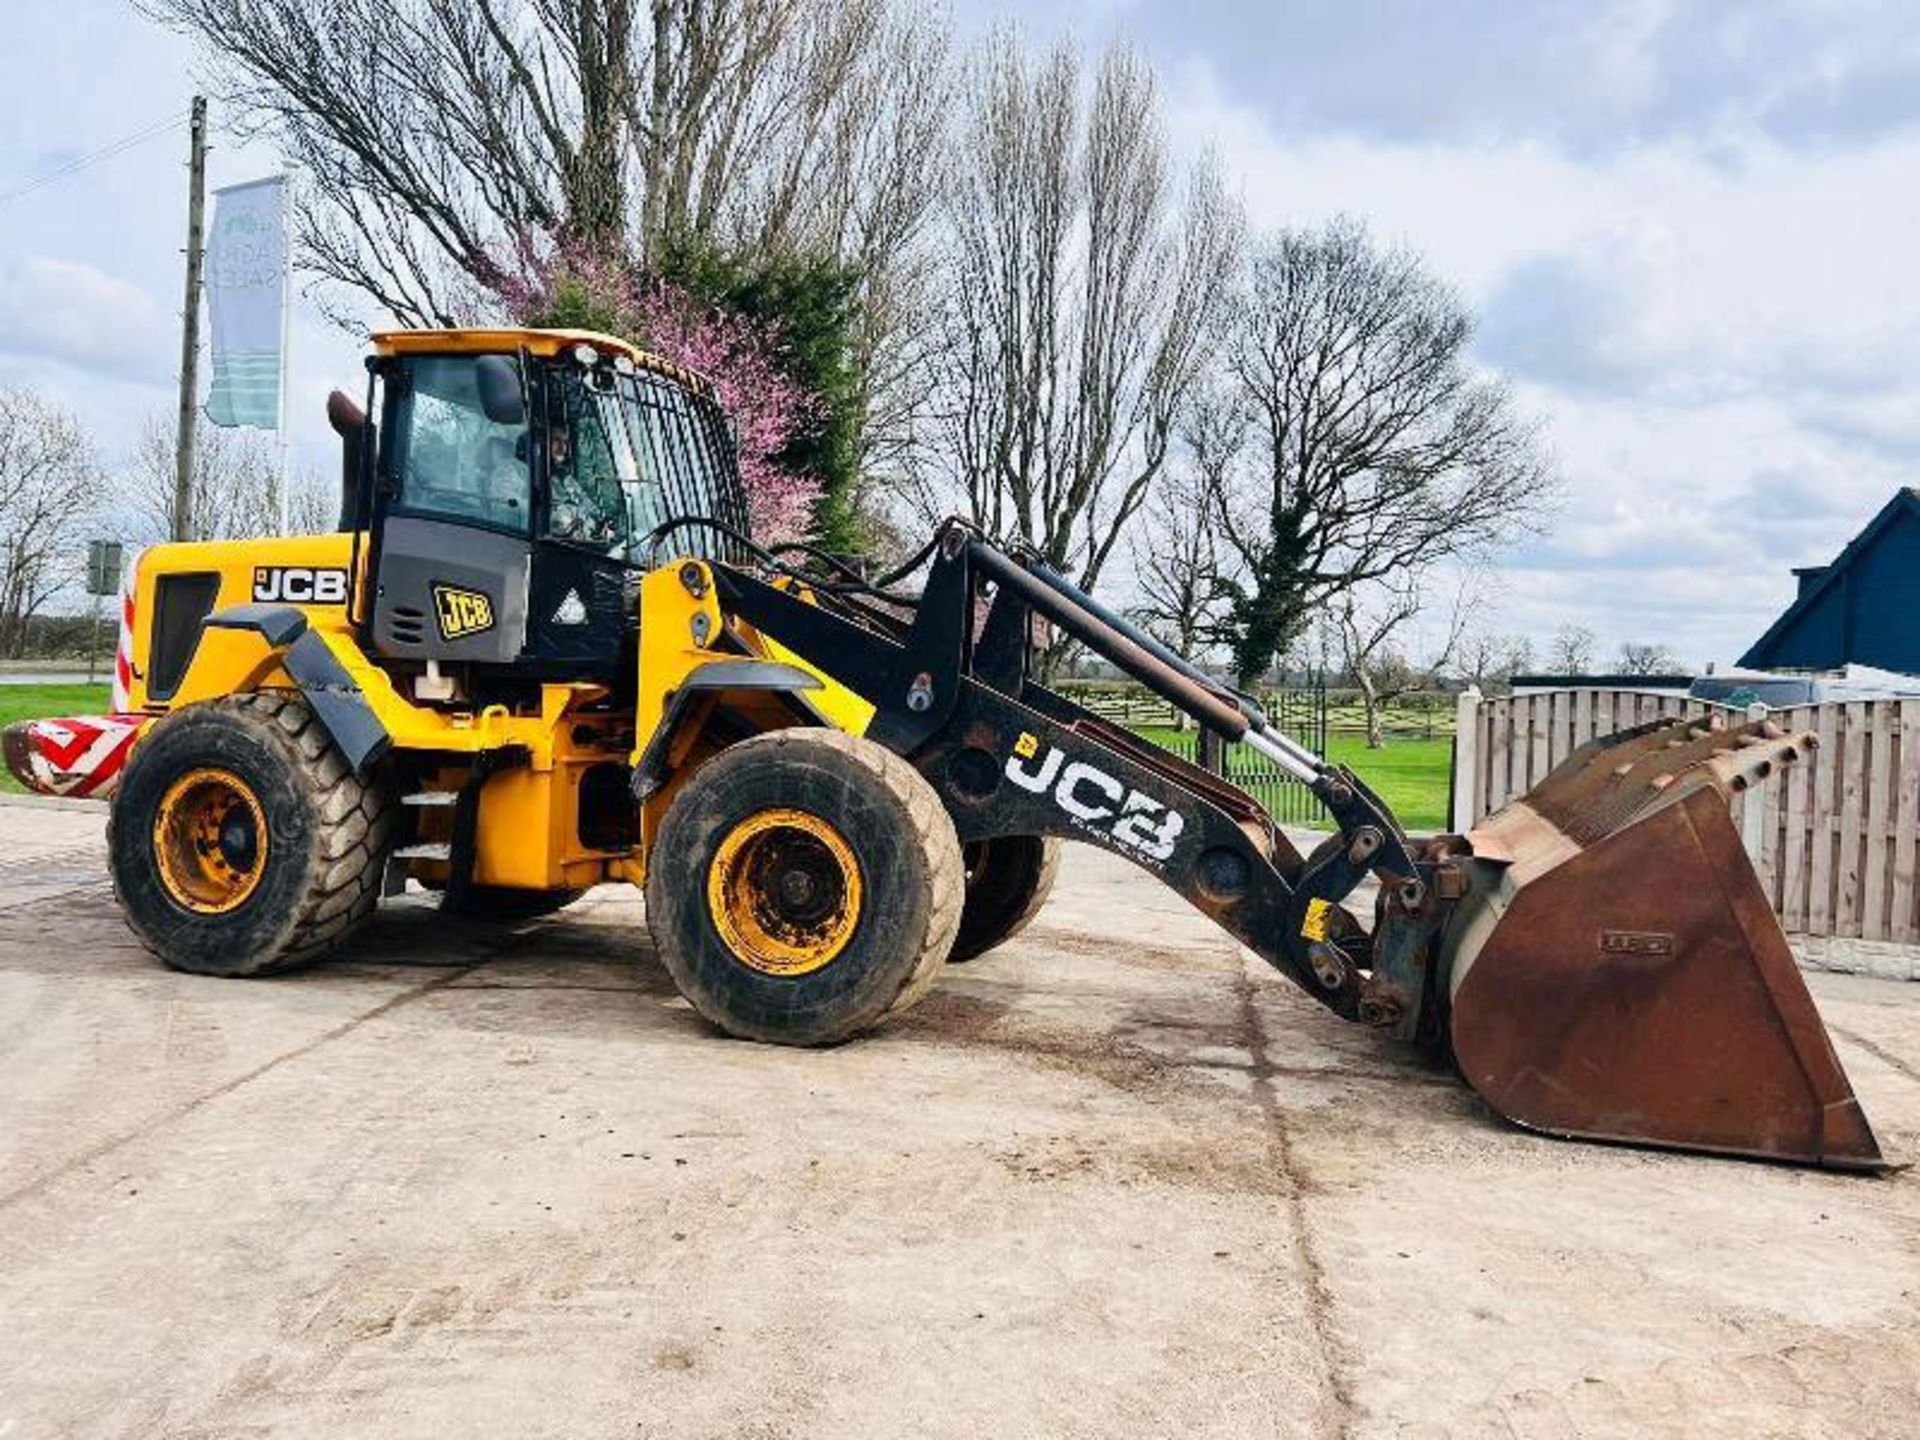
(1112, 1180)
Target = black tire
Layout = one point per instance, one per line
(1008, 880)
(327, 833)
(897, 932)
(500, 902)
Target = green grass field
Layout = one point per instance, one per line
(1410, 775)
(32, 702)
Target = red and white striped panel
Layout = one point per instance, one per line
(123, 653)
(82, 756)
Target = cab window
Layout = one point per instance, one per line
(453, 462)
(588, 456)
(686, 465)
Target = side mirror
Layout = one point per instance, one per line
(498, 380)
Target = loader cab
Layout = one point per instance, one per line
(518, 475)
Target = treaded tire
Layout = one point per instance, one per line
(912, 885)
(501, 902)
(1008, 880)
(328, 832)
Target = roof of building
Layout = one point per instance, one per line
(1816, 581)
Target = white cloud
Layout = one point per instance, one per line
(1725, 344)
(1698, 219)
(75, 314)
(1593, 77)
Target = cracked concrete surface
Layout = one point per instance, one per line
(1115, 1179)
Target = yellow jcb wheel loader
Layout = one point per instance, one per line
(542, 653)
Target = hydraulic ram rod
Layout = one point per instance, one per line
(1074, 595)
(1286, 752)
(1149, 662)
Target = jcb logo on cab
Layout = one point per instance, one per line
(299, 585)
(1095, 800)
(461, 612)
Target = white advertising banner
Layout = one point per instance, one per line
(246, 302)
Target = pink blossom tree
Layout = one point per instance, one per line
(569, 286)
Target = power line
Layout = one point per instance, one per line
(106, 152)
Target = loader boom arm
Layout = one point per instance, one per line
(1566, 954)
(1013, 757)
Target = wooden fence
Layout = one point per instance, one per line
(1833, 841)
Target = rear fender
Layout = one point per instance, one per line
(252, 647)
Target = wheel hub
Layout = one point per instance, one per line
(210, 841)
(238, 841)
(784, 892)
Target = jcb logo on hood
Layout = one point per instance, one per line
(299, 585)
(1096, 800)
(461, 612)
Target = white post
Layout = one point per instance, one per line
(1753, 804)
(1466, 758)
(286, 327)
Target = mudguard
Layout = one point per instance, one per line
(337, 701)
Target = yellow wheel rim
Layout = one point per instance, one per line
(210, 838)
(784, 892)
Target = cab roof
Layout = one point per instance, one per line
(544, 343)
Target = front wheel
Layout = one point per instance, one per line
(804, 885)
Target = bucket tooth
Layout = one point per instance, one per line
(1617, 972)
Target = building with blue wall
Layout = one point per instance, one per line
(1863, 609)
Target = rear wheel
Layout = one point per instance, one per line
(240, 842)
(803, 885)
(1008, 880)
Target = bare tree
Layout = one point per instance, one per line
(1083, 280)
(1369, 625)
(234, 492)
(49, 483)
(824, 132)
(1639, 658)
(1490, 660)
(1571, 651)
(869, 197)
(1176, 550)
(431, 132)
(1381, 450)
(444, 142)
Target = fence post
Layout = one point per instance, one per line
(1753, 805)
(1212, 752)
(1466, 759)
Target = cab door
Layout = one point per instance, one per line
(581, 605)
(453, 521)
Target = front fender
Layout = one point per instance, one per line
(715, 677)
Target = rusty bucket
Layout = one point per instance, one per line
(1617, 973)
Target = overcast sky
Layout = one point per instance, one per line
(1688, 230)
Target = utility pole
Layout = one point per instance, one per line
(190, 322)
